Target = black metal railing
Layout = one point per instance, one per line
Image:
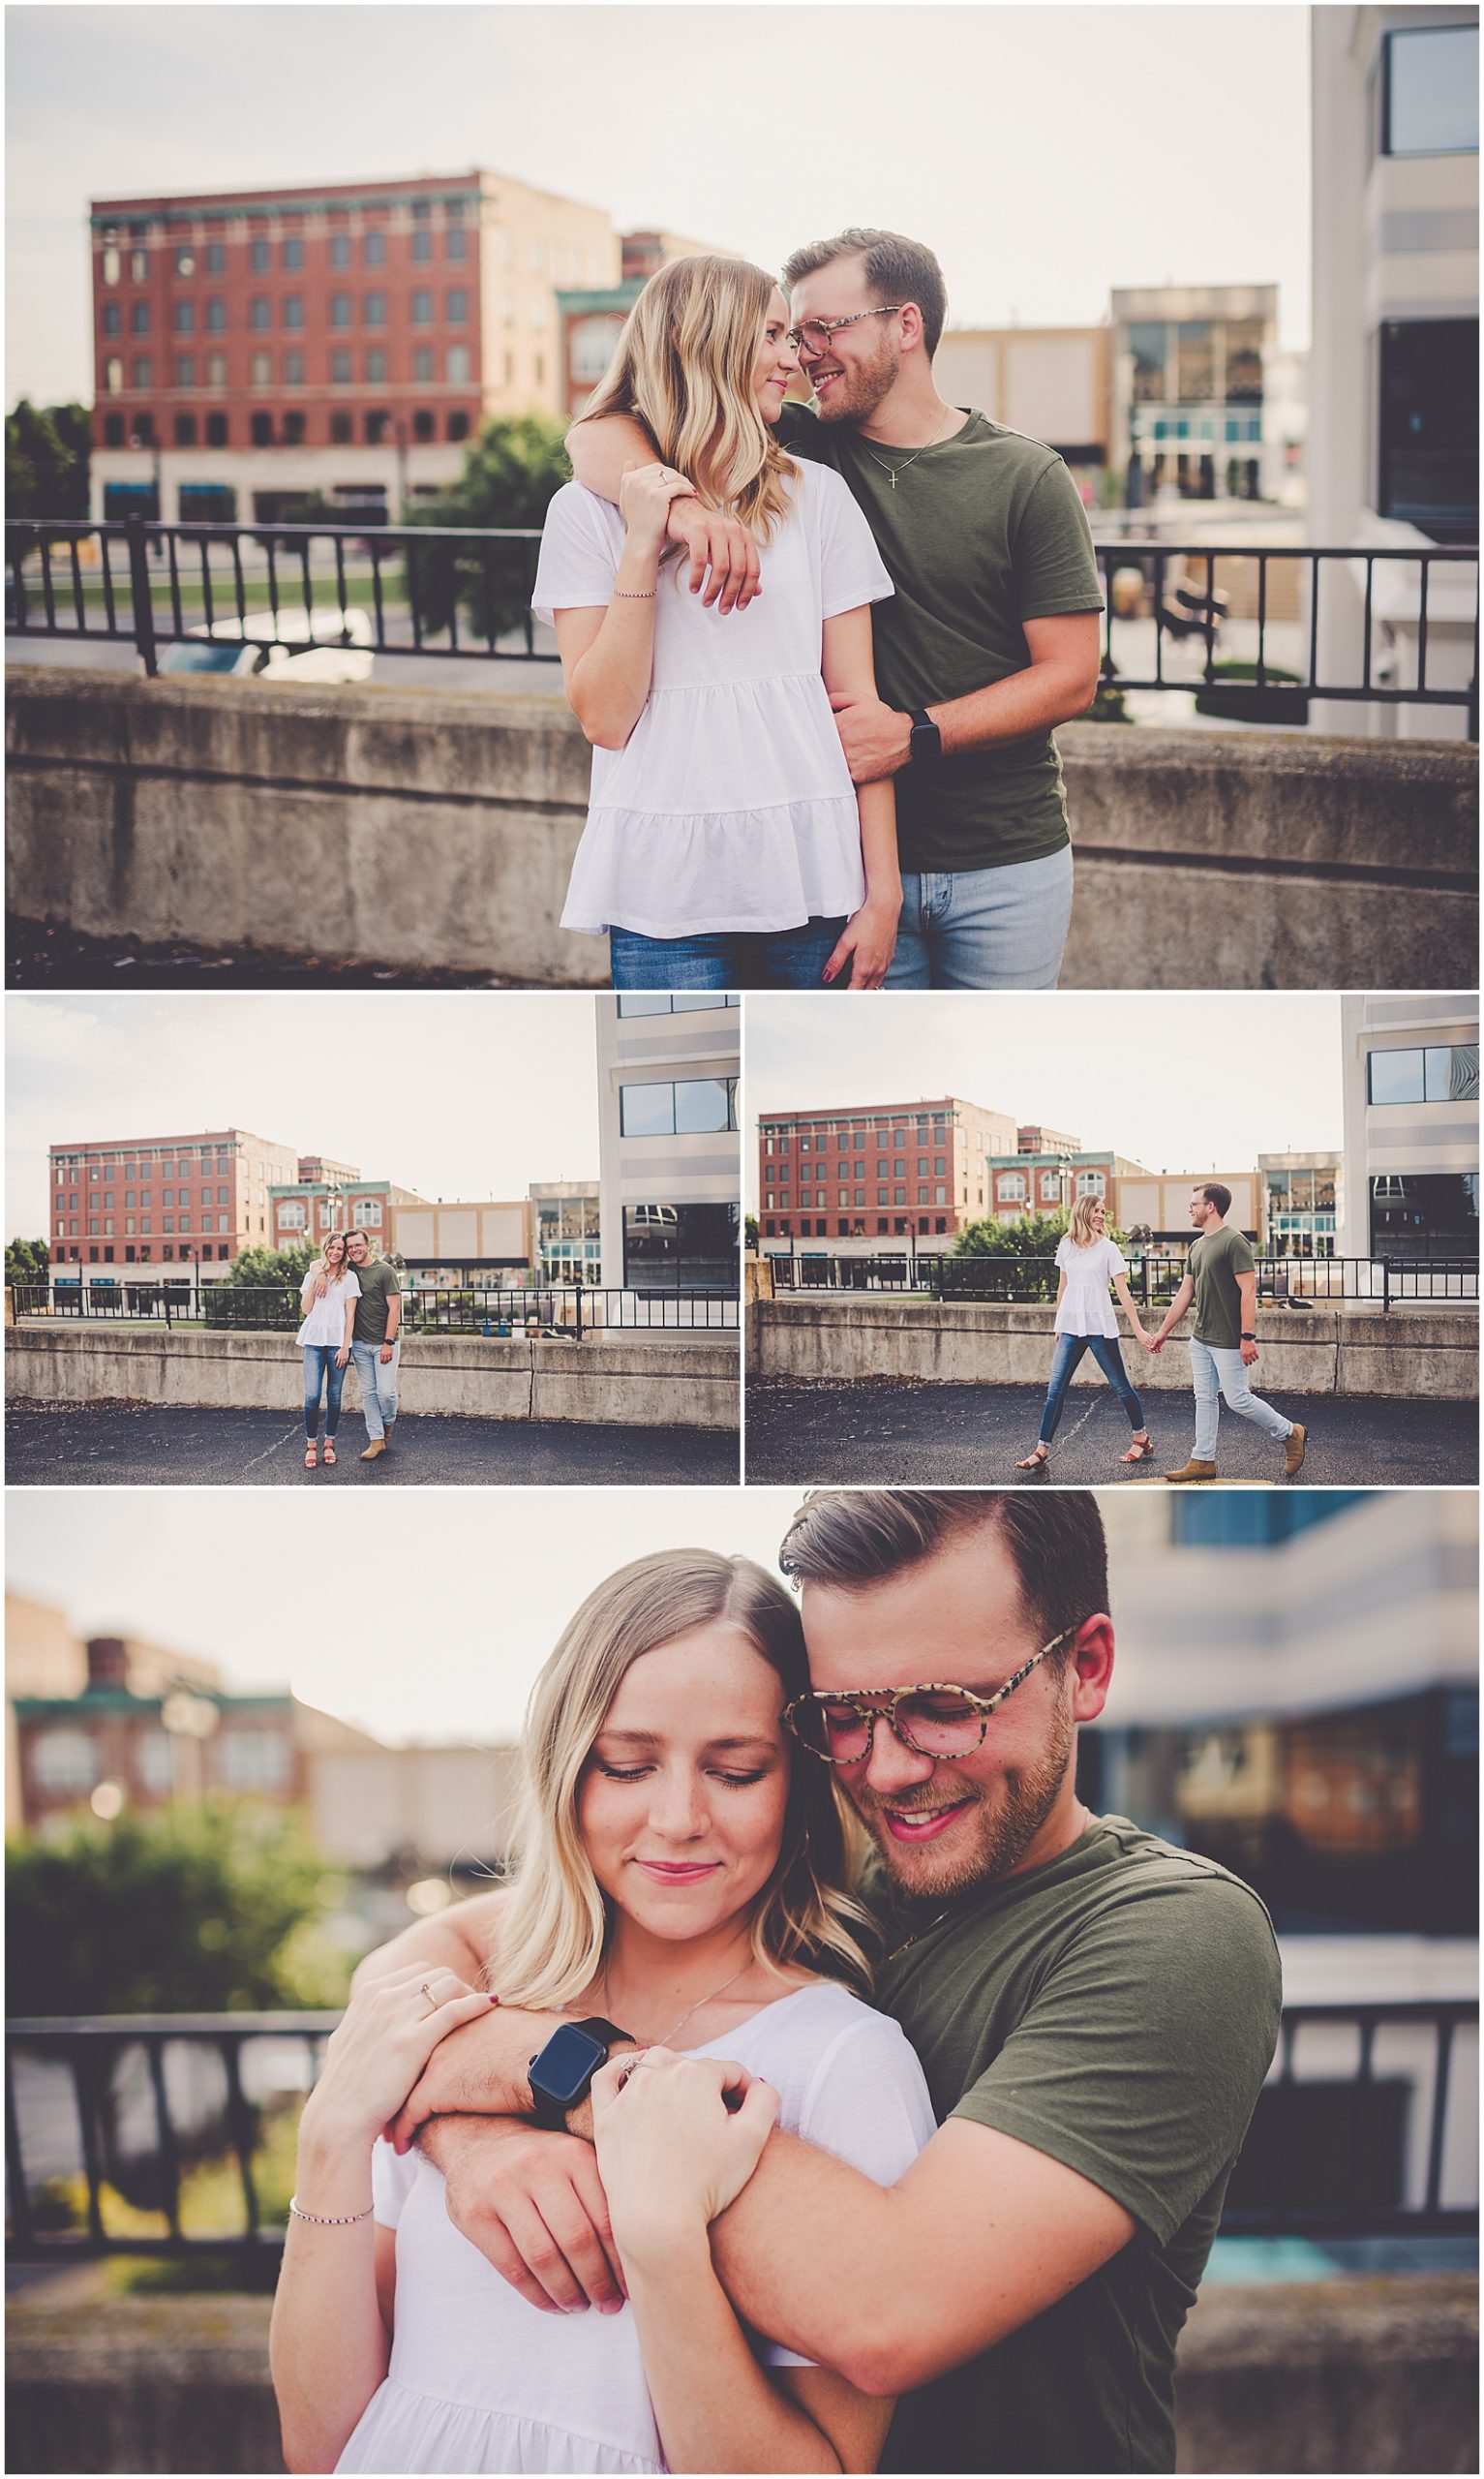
(1025, 1281)
(1182, 593)
(127, 2134)
(493, 1312)
(466, 592)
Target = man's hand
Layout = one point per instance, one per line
(867, 944)
(1248, 1354)
(876, 739)
(386, 1352)
(723, 555)
(533, 2204)
(485, 2076)
(1156, 1342)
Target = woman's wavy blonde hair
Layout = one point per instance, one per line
(1080, 1228)
(684, 367)
(554, 1923)
(332, 1273)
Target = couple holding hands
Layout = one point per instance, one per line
(1221, 1278)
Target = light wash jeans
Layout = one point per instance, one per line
(984, 929)
(1065, 1361)
(1215, 1373)
(321, 1377)
(379, 1385)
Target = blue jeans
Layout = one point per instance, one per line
(321, 1375)
(1066, 1358)
(1215, 1373)
(984, 929)
(725, 959)
(379, 1385)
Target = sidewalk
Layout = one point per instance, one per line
(912, 1435)
(128, 1445)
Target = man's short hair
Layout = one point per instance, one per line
(358, 1231)
(851, 1539)
(1215, 1194)
(901, 270)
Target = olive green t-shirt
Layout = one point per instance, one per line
(985, 533)
(1217, 1258)
(1117, 2009)
(379, 1286)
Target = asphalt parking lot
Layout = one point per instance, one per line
(132, 1445)
(908, 1435)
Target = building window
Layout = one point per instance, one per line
(456, 306)
(422, 245)
(216, 258)
(454, 245)
(260, 430)
(291, 256)
(373, 250)
(374, 310)
(110, 266)
(64, 1759)
(423, 426)
(1425, 1216)
(293, 310)
(253, 1760)
(138, 267)
(1429, 424)
(138, 317)
(216, 430)
(457, 426)
(185, 260)
(422, 367)
(377, 426)
(456, 365)
(185, 430)
(216, 318)
(260, 314)
(680, 1247)
(262, 369)
(340, 428)
(340, 309)
(1448, 1073)
(1430, 91)
(340, 369)
(1091, 1183)
(185, 370)
(422, 308)
(376, 367)
(112, 319)
(294, 430)
(339, 249)
(700, 1106)
(142, 375)
(293, 370)
(114, 428)
(259, 256)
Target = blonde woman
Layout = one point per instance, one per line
(683, 1885)
(726, 846)
(327, 1296)
(1087, 1262)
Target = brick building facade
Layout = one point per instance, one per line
(164, 1201)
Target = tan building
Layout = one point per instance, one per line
(1158, 1201)
(1047, 1140)
(441, 1243)
(428, 1808)
(1053, 384)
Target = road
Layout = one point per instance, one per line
(954, 1437)
(130, 1445)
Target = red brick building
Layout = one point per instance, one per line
(164, 1201)
(257, 347)
(892, 1173)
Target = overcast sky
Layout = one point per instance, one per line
(1174, 1081)
(451, 1094)
(460, 1600)
(1047, 153)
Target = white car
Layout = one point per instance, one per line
(338, 646)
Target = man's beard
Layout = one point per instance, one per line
(856, 394)
(993, 1839)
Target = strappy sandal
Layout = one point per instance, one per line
(311, 1458)
(1042, 1455)
(329, 1449)
(1137, 1453)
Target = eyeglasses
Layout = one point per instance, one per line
(814, 335)
(931, 1719)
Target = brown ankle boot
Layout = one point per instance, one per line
(1193, 1471)
(1293, 1448)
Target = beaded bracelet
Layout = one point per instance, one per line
(632, 593)
(330, 2219)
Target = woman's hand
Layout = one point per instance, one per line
(867, 944)
(671, 2153)
(645, 494)
(342, 1355)
(384, 2039)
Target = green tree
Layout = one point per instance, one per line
(257, 1267)
(510, 475)
(27, 1261)
(46, 460)
(197, 1909)
(751, 1231)
(1034, 1239)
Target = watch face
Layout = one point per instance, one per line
(567, 2063)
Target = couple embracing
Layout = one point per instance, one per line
(948, 2131)
(1220, 1278)
(351, 1300)
(819, 650)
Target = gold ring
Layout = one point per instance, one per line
(426, 1991)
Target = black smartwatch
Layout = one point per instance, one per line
(925, 744)
(561, 2073)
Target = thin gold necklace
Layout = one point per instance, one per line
(895, 469)
(694, 2008)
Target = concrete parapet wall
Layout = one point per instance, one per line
(436, 828)
(1345, 2375)
(1412, 1352)
(645, 1380)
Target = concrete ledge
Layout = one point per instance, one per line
(432, 828)
(1310, 1350)
(1341, 2376)
(649, 1381)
